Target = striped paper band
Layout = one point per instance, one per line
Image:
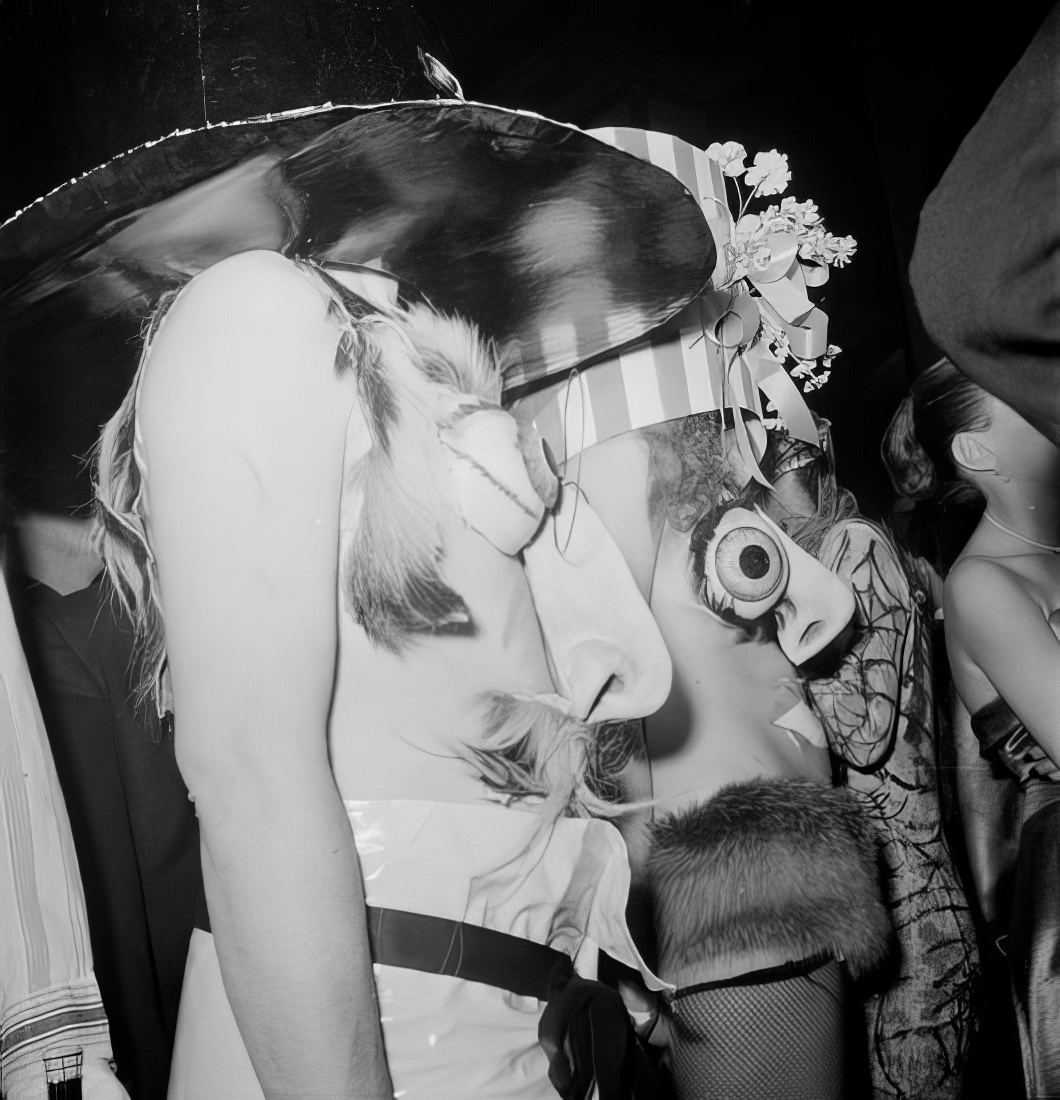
(700, 174)
(677, 371)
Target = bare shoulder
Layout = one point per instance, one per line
(251, 324)
(969, 575)
(255, 282)
(249, 309)
(981, 590)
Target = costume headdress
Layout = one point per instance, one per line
(727, 349)
(557, 245)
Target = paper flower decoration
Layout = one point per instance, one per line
(774, 254)
(730, 156)
(770, 175)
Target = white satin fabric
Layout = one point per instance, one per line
(445, 1038)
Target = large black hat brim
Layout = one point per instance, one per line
(556, 244)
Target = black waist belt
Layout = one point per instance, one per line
(436, 945)
(584, 1030)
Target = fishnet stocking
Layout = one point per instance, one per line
(760, 1040)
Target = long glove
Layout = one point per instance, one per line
(588, 1036)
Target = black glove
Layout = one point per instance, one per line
(589, 1039)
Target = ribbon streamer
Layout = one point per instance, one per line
(773, 380)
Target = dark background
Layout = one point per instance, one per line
(870, 101)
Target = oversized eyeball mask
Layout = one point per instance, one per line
(751, 569)
(745, 567)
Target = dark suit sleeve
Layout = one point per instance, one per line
(986, 267)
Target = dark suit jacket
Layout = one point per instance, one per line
(986, 269)
(134, 828)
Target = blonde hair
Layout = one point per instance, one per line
(120, 536)
(531, 751)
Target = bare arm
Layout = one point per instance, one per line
(858, 705)
(244, 422)
(995, 624)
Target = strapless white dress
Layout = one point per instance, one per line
(446, 1038)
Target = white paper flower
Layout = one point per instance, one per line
(761, 257)
(841, 249)
(804, 212)
(776, 221)
(769, 175)
(729, 155)
(754, 240)
(748, 227)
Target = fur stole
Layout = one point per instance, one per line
(769, 863)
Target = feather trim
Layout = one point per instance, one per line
(411, 367)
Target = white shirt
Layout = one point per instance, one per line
(49, 999)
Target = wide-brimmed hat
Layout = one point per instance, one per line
(556, 244)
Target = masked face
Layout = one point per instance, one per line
(605, 653)
(607, 656)
(745, 568)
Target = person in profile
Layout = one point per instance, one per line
(1000, 601)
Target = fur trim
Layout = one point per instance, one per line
(769, 863)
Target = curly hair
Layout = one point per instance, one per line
(690, 470)
(916, 447)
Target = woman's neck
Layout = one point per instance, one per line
(1029, 508)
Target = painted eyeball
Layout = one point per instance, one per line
(749, 565)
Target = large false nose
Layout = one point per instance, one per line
(607, 657)
(816, 608)
(594, 674)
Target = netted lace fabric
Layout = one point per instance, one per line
(761, 1037)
